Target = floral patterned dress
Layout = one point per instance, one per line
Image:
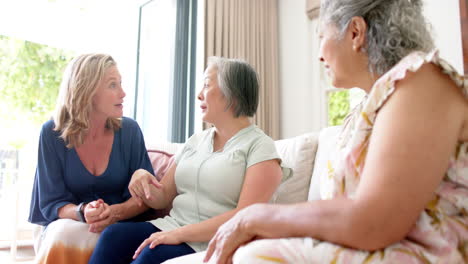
(441, 232)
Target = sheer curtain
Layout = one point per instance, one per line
(248, 29)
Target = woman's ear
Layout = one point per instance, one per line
(358, 29)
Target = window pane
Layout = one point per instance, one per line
(341, 102)
(155, 76)
(338, 107)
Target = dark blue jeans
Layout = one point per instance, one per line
(118, 243)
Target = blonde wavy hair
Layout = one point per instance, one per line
(74, 105)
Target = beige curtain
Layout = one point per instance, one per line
(248, 29)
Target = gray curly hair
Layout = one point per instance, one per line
(395, 28)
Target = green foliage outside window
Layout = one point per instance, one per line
(30, 76)
(338, 107)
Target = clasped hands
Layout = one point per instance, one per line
(99, 215)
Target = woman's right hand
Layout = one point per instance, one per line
(140, 185)
(235, 233)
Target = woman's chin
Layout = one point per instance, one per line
(340, 84)
(204, 119)
(117, 115)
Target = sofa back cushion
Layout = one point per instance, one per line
(161, 162)
(161, 156)
(326, 142)
(297, 153)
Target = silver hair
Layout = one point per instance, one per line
(395, 28)
(238, 82)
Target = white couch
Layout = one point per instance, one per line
(297, 153)
(306, 155)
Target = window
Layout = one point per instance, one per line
(338, 107)
(30, 74)
(157, 81)
(340, 102)
(155, 69)
(164, 96)
(86, 26)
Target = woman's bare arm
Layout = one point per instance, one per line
(413, 138)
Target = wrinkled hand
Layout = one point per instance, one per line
(229, 237)
(139, 186)
(157, 238)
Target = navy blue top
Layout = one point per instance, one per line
(61, 178)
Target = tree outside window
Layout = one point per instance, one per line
(340, 102)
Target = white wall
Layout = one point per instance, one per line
(300, 98)
(444, 17)
(302, 103)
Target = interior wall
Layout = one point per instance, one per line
(300, 96)
(444, 16)
(302, 102)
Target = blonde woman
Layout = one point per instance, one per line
(86, 157)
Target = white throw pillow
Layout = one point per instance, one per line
(326, 141)
(298, 154)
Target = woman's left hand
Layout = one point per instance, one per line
(230, 236)
(157, 238)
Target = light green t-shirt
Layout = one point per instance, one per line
(209, 183)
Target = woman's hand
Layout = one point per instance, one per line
(157, 238)
(99, 215)
(231, 235)
(93, 211)
(108, 216)
(139, 186)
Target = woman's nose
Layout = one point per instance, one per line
(320, 53)
(122, 92)
(200, 95)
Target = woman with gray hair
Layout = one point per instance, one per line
(217, 173)
(397, 183)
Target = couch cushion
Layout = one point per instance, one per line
(298, 154)
(326, 141)
(161, 156)
(161, 162)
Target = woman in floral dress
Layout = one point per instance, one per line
(397, 183)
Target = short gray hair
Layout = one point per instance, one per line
(239, 84)
(395, 28)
